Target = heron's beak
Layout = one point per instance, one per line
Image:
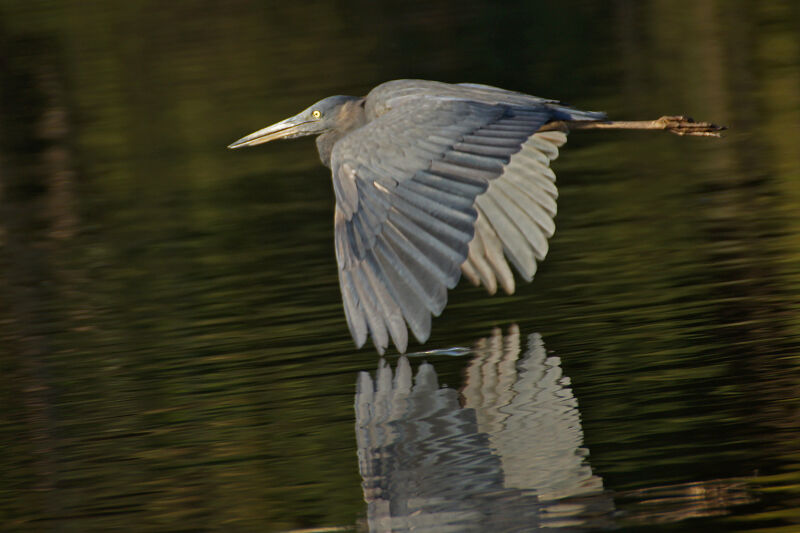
(281, 130)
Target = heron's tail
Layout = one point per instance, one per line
(572, 114)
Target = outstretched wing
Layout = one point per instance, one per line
(427, 190)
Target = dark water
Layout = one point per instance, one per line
(173, 352)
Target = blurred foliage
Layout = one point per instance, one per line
(172, 348)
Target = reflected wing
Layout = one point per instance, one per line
(524, 403)
(418, 198)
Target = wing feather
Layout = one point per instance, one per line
(487, 140)
(514, 242)
(449, 202)
(519, 212)
(452, 185)
(422, 266)
(530, 204)
(443, 228)
(458, 220)
(390, 311)
(502, 152)
(423, 284)
(492, 249)
(476, 261)
(353, 312)
(416, 303)
(368, 300)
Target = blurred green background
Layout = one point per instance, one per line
(173, 352)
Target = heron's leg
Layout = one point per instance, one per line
(678, 125)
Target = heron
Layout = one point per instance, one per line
(434, 181)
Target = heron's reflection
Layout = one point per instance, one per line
(509, 459)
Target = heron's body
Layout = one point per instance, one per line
(433, 180)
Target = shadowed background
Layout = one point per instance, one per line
(173, 351)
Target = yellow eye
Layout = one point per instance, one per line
(316, 114)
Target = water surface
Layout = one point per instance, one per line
(173, 352)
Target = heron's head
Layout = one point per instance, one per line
(326, 115)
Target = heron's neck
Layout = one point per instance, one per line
(351, 117)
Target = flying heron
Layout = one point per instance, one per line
(434, 180)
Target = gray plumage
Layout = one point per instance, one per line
(432, 180)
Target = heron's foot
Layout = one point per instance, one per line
(680, 125)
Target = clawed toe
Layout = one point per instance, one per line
(680, 125)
